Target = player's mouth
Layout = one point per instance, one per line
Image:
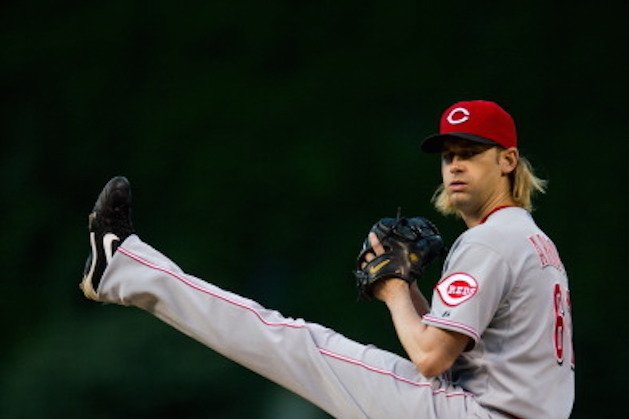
(456, 185)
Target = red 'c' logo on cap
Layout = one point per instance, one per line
(457, 288)
(458, 116)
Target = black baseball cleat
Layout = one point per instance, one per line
(109, 224)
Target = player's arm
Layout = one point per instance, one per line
(419, 301)
(431, 349)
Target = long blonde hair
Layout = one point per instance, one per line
(524, 185)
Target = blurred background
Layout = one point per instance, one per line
(262, 142)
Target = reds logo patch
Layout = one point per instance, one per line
(456, 289)
(458, 116)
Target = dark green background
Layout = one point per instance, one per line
(262, 142)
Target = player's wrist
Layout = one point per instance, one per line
(391, 289)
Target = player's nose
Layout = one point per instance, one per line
(456, 165)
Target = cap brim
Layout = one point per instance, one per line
(434, 143)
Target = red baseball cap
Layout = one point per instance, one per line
(480, 121)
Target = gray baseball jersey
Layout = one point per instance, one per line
(504, 286)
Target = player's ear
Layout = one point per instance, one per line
(508, 160)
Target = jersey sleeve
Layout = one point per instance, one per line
(473, 284)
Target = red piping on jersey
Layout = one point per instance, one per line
(468, 331)
(494, 210)
(293, 325)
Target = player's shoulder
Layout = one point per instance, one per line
(502, 227)
(508, 220)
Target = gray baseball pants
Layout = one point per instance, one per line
(342, 377)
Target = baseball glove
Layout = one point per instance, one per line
(410, 245)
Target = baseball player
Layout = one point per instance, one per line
(494, 343)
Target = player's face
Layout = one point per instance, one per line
(473, 176)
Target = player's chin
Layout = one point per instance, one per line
(460, 201)
(458, 197)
